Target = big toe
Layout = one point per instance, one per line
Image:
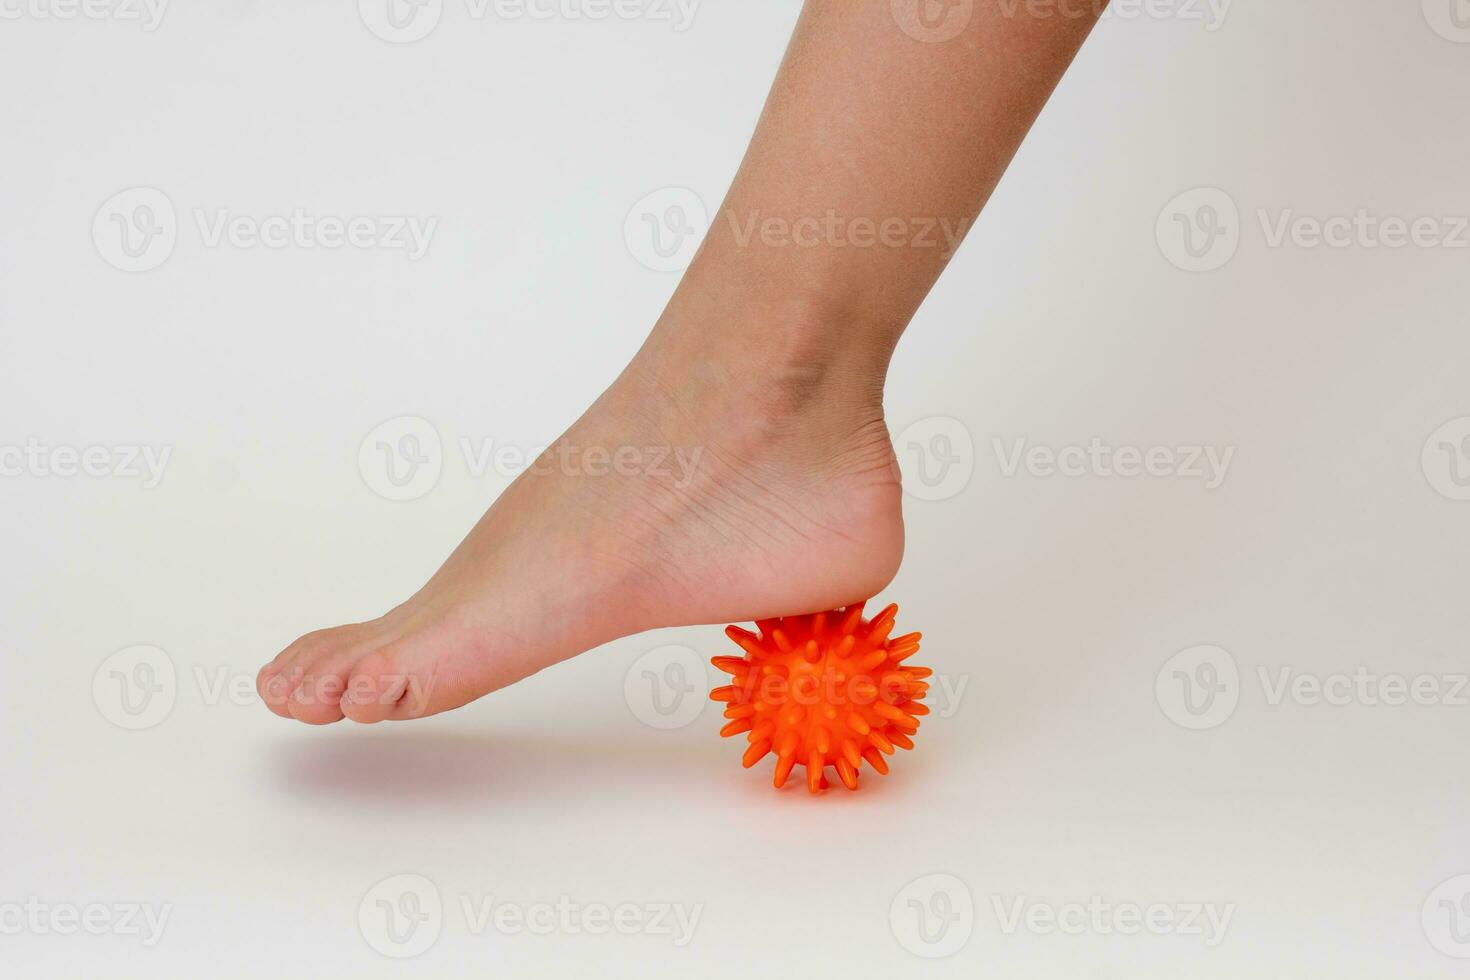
(317, 698)
(274, 684)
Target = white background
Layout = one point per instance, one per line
(1060, 776)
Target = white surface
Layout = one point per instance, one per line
(1059, 778)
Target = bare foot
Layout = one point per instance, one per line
(699, 488)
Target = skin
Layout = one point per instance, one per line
(766, 369)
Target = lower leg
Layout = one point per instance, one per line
(874, 154)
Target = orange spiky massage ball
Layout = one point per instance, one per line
(828, 688)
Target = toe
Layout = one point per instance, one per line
(315, 701)
(279, 678)
(274, 685)
(317, 697)
(376, 687)
(397, 682)
(300, 682)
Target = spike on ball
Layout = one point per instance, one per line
(824, 689)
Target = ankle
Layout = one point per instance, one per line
(775, 360)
